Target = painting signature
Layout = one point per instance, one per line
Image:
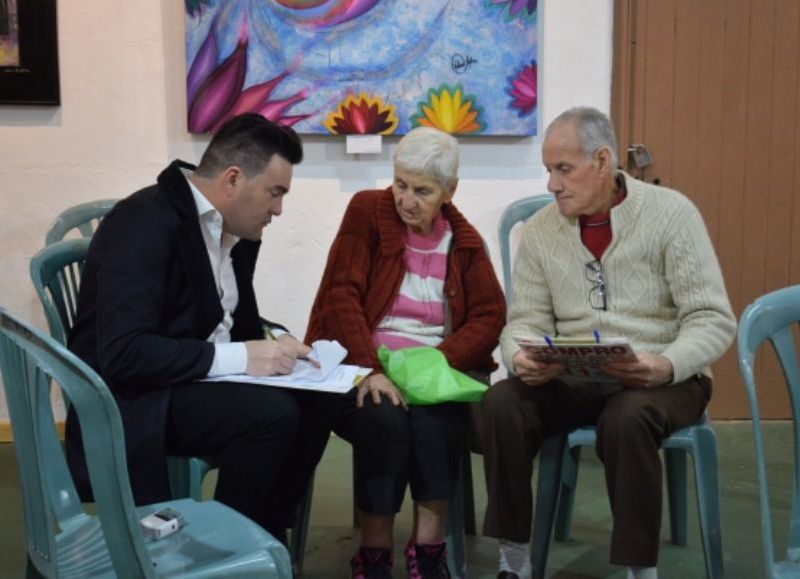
(460, 63)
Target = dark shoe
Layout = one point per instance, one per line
(427, 561)
(507, 575)
(369, 563)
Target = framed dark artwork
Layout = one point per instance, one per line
(28, 53)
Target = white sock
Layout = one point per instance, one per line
(642, 573)
(516, 558)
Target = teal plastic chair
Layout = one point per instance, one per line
(773, 317)
(82, 218)
(65, 541)
(519, 211)
(186, 476)
(460, 519)
(56, 274)
(699, 440)
(560, 455)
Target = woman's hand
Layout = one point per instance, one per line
(375, 385)
(533, 372)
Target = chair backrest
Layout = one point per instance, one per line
(772, 318)
(56, 274)
(29, 360)
(83, 218)
(519, 210)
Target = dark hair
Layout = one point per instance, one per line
(249, 141)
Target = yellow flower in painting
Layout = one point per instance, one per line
(449, 110)
(362, 115)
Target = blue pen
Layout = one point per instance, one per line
(549, 341)
(596, 336)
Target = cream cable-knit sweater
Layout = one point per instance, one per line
(664, 284)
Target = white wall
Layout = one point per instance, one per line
(122, 118)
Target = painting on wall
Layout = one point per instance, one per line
(28, 53)
(364, 66)
(9, 33)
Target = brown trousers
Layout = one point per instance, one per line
(631, 424)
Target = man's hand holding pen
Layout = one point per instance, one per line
(275, 356)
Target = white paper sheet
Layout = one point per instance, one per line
(331, 376)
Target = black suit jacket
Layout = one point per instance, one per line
(147, 304)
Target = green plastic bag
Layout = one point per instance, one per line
(424, 377)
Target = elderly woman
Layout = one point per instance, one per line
(407, 269)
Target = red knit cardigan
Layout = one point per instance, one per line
(364, 273)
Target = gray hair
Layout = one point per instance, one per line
(429, 152)
(594, 131)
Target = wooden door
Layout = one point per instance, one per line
(712, 87)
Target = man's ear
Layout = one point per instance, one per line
(231, 178)
(603, 159)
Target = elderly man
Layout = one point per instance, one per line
(167, 299)
(627, 259)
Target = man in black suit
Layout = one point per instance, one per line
(167, 300)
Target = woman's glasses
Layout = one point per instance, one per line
(597, 294)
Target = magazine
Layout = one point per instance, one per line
(581, 357)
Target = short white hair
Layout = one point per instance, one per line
(594, 131)
(429, 152)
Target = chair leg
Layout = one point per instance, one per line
(454, 527)
(551, 459)
(31, 572)
(197, 470)
(178, 469)
(186, 476)
(707, 484)
(297, 545)
(675, 463)
(566, 500)
(356, 520)
(468, 491)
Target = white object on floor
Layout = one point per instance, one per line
(642, 573)
(516, 558)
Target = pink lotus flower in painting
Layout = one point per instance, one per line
(362, 115)
(515, 8)
(523, 89)
(214, 90)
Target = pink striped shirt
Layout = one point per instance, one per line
(416, 317)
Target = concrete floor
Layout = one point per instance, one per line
(332, 539)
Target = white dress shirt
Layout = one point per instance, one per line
(229, 357)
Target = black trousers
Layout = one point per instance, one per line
(393, 448)
(268, 442)
(631, 424)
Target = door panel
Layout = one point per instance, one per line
(712, 87)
